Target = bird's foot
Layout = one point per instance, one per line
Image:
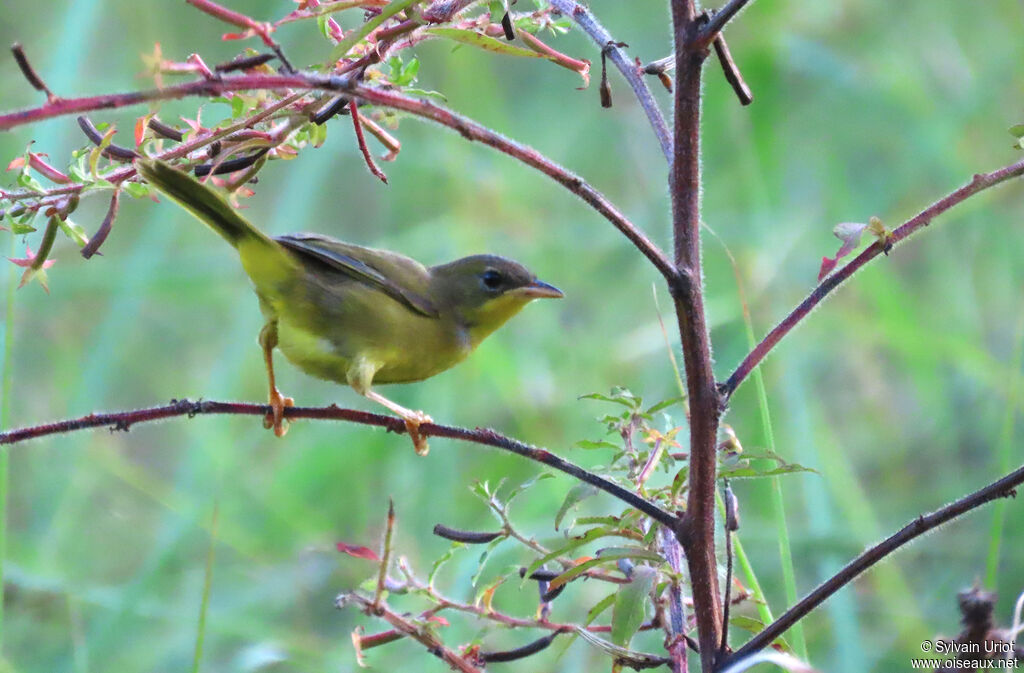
(275, 419)
(412, 426)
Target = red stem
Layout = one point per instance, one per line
(979, 183)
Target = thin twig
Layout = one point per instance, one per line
(979, 183)
(123, 420)
(385, 555)
(361, 141)
(418, 633)
(29, 72)
(590, 25)
(732, 71)
(93, 246)
(717, 23)
(1002, 488)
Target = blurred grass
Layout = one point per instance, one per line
(896, 390)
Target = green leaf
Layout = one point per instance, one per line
(631, 605)
(618, 396)
(482, 561)
(1017, 130)
(665, 404)
(529, 483)
(447, 556)
(136, 190)
(18, 228)
(74, 232)
(574, 543)
(755, 626)
(581, 491)
(600, 444)
(423, 93)
(605, 556)
(343, 47)
(481, 41)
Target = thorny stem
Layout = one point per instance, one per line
(697, 532)
(590, 25)
(1002, 488)
(123, 420)
(979, 183)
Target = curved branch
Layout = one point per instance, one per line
(589, 23)
(1003, 488)
(123, 420)
(979, 183)
(471, 130)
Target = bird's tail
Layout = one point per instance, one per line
(200, 200)
(264, 259)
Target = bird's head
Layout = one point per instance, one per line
(484, 291)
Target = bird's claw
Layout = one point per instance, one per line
(275, 419)
(412, 426)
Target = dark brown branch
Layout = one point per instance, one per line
(111, 151)
(1003, 488)
(164, 130)
(979, 183)
(333, 107)
(361, 141)
(244, 63)
(230, 165)
(697, 534)
(123, 420)
(717, 23)
(731, 71)
(465, 536)
(93, 246)
(29, 72)
(590, 25)
(521, 652)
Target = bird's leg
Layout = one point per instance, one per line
(360, 377)
(275, 419)
(412, 419)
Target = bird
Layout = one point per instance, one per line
(356, 315)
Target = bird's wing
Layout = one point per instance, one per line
(384, 271)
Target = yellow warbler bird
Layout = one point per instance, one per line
(358, 315)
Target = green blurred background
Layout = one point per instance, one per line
(897, 390)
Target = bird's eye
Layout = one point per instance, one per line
(491, 279)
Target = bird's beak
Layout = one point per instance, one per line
(538, 289)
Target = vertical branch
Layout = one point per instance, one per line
(697, 530)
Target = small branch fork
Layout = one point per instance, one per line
(978, 183)
(633, 74)
(123, 420)
(1002, 488)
